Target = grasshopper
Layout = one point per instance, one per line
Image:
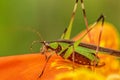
(76, 51)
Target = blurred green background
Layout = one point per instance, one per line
(19, 19)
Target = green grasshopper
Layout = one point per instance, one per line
(76, 51)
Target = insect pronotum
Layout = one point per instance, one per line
(76, 51)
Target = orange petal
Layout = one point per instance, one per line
(21, 67)
(29, 67)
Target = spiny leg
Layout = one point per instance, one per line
(67, 32)
(100, 34)
(85, 20)
(44, 67)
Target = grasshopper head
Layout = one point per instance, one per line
(44, 47)
(51, 46)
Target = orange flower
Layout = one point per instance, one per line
(29, 66)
